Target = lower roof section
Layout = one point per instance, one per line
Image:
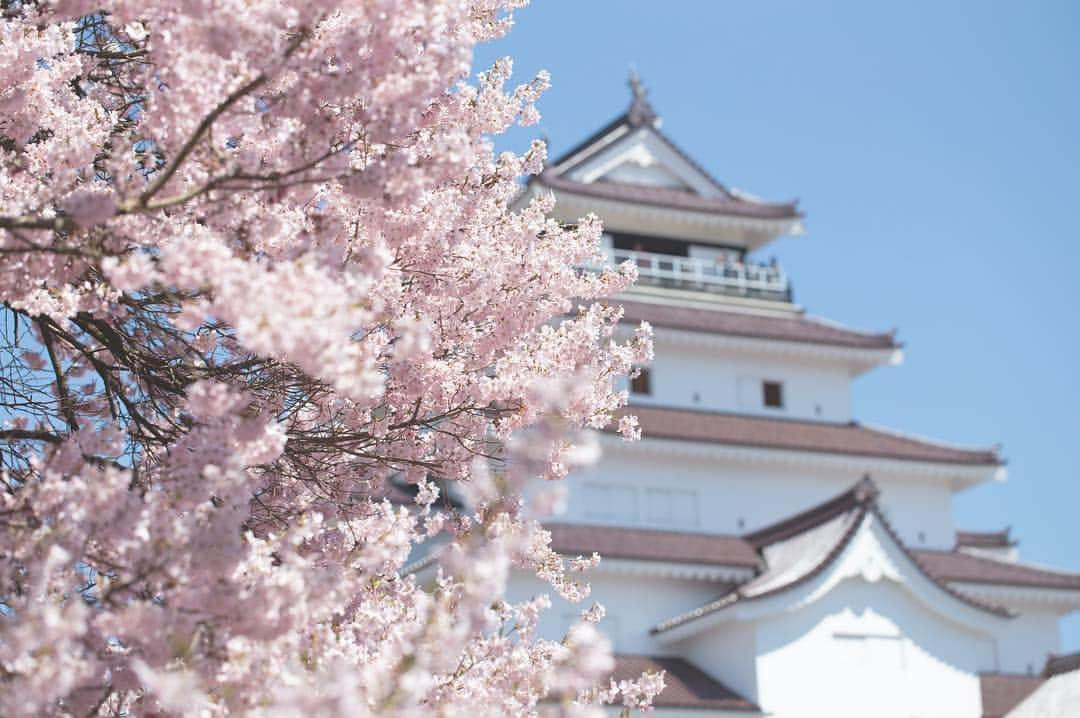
(651, 545)
(1004, 692)
(748, 551)
(687, 686)
(1001, 692)
(850, 439)
(957, 566)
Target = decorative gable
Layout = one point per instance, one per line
(809, 555)
(641, 157)
(638, 180)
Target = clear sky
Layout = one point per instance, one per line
(935, 148)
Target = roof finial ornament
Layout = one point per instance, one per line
(641, 112)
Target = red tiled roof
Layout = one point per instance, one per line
(650, 545)
(795, 328)
(1056, 665)
(796, 435)
(985, 539)
(724, 204)
(687, 686)
(740, 551)
(1001, 692)
(963, 567)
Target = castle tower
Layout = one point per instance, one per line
(772, 554)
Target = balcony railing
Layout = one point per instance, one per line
(740, 279)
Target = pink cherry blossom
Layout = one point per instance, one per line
(263, 276)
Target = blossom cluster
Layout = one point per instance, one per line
(275, 321)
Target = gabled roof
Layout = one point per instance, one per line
(799, 549)
(687, 686)
(850, 439)
(640, 116)
(795, 327)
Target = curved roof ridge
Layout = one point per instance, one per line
(860, 494)
(848, 328)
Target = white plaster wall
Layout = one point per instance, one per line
(729, 654)
(868, 650)
(1026, 641)
(734, 499)
(697, 378)
(633, 604)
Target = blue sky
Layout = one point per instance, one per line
(935, 148)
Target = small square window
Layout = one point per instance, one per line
(642, 383)
(772, 394)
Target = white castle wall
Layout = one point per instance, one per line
(634, 604)
(696, 378)
(879, 648)
(1026, 641)
(628, 487)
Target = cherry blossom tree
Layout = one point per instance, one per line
(273, 323)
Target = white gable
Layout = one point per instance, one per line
(871, 556)
(639, 157)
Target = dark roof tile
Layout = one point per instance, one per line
(985, 539)
(724, 204)
(797, 435)
(963, 567)
(651, 545)
(1056, 665)
(1001, 692)
(794, 328)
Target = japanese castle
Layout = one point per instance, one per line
(775, 556)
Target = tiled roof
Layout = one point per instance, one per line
(796, 435)
(741, 551)
(985, 539)
(794, 328)
(963, 567)
(725, 204)
(1001, 692)
(1056, 665)
(687, 686)
(649, 545)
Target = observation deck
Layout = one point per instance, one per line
(727, 276)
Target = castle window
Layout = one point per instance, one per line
(642, 383)
(671, 507)
(611, 502)
(772, 394)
